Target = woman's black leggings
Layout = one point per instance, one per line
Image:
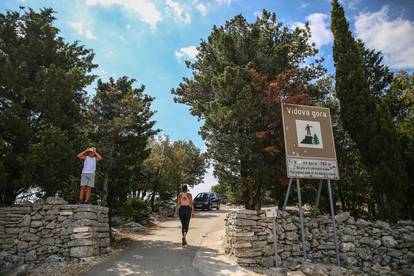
(185, 216)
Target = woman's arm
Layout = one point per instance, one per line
(177, 204)
(81, 155)
(98, 156)
(192, 205)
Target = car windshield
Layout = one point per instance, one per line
(201, 196)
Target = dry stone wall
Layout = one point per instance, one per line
(51, 231)
(370, 247)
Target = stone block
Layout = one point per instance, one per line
(83, 251)
(247, 212)
(259, 244)
(82, 235)
(81, 242)
(82, 229)
(342, 217)
(290, 227)
(12, 230)
(30, 256)
(244, 234)
(36, 223)
(22, 245)
(292, 236)
(85, 215)
(248, 253)
(66, 213)
(51, 225)
(242, 261)
(29, 237)
(244, 222)
(347, 247)
(245, 244)
(389, 241)
(56, 201)
(48, 241)
(26, 220)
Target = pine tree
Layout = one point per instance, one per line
(241, 73)
(121, 126)
(42, 102)
(315, 139)
(367, 120)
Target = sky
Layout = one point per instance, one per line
(149, 40)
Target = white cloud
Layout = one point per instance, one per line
(319, 27)
(321, 34)
(84, 29)
(304, 5)
(145, 10)
(180, 12)
(394, 38)
(258, 14)
(186, 53)
(208, 181)
(202, 9)
(224, 2)
(352, 4)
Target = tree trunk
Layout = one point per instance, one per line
(257, 200)
(105, 190)
(152, 200)
(246, 186)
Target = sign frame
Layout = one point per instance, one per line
(327, 154)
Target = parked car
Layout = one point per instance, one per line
(207, 201)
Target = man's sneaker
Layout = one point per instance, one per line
(82, 202)
(183, 242)
(86, 202)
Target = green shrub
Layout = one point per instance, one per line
(135, 209)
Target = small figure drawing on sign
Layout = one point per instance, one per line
(308, 137)
(307, 129)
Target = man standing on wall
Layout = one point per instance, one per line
(90, 156)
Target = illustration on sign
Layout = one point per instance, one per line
(309, 134)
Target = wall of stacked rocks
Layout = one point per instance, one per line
(372, 247)
(52, 230)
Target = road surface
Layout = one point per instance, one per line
(160, 252)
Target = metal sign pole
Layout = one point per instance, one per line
(275, 241)
(318, 197)
(302, 228)
(333, 223)
(287, 194)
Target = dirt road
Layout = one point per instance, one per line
(161, 253)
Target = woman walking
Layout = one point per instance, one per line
(185, 210)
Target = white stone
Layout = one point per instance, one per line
(66, 213)
(81, 229)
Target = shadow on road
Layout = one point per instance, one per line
(155, 257)
(149, 257)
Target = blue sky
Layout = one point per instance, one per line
(149, 40)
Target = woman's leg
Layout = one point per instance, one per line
(187, 218)
(81, 193)
(181, 214)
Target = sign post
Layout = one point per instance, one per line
(272, 213)
(310, 154)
